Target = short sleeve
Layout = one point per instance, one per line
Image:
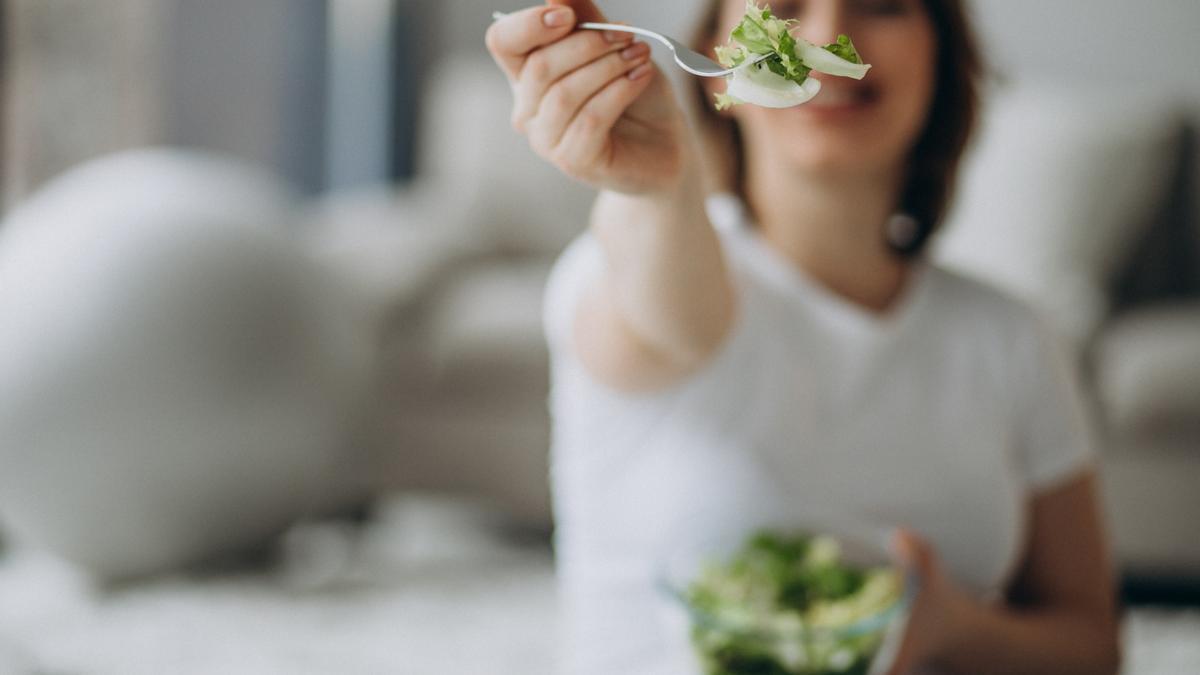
(1055, 434)
(579, 266)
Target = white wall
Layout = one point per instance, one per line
(1152, 42)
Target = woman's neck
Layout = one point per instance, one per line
(833, 228)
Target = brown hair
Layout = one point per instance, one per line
(935, 157)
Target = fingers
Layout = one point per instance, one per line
(565, 99)
(511, 38)
(570, 90)
(586, 10)
(915, 555)
(549, 64)
(587, 137)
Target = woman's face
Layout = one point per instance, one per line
(851, 125)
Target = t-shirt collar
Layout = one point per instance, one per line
(729, 215)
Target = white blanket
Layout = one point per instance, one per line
(427, 587)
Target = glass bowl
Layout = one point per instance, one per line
(732, 640)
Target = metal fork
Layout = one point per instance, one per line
(691, 61)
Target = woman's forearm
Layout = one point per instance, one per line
(1005, 641)
(667, 279)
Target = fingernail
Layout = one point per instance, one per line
(558, 17)
(641, 71)
(615, 37)
(633, 52)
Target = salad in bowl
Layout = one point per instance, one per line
(789, 603)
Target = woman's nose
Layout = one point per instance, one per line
(822, 21)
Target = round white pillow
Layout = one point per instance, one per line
(177, 377)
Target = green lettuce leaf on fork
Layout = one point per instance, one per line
(844, 49)
(762, 42)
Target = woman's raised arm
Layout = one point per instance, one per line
(594, 106)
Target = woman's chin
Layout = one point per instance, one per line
(852, 148)
(838, 159)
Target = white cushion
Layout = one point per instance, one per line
(389, 247)
(472, 391)
(1148, 371)
(1055, 193)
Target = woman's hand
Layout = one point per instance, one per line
(1063, 620)
(592, 104)
(940, 610)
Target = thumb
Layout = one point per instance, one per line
(586, 10)
(913, 553)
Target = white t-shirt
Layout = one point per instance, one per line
(943, 416)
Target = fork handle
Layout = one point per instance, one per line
(592, 25)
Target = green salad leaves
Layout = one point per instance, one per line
(762, 43)
(785, 604)
(844, 49)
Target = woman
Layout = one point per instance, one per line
(790, 352)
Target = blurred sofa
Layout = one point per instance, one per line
(1085, 210)
(1085, 206)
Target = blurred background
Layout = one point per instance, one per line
(272, 394)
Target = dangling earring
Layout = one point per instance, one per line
(902, 231)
